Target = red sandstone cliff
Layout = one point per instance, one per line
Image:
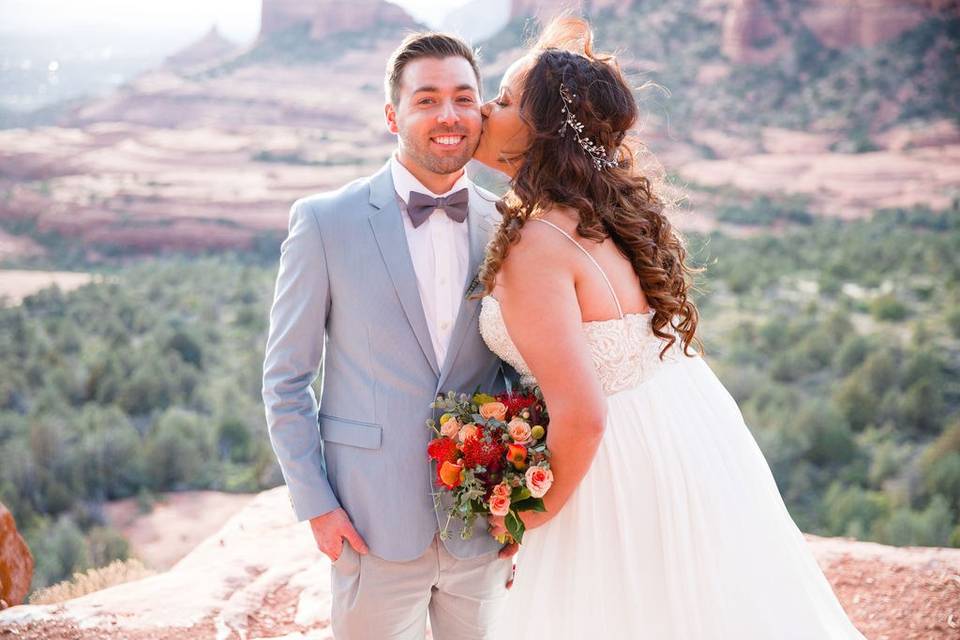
(757, 31)
(327, 17)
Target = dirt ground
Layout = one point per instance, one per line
(176, 525)
(15, 285)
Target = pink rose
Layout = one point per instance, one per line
(499, 505)
(496, 410)
(450, 428)
(467, 431)
(502, 490)
(539, 481)
(519, 430)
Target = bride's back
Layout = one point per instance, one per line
(593, 292)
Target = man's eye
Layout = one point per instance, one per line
(425, 101)
(466, 99)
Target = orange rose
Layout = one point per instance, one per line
(539, 481)
(450, 428)
(467, 431)
(519, 430)
(450, 474)
(496, 410)
(517, 455)
(499, 505)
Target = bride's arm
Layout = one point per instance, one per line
(538, 300)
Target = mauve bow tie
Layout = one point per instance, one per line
(420, 206)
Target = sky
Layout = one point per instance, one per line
(239, 20)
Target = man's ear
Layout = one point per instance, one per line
(391, 112)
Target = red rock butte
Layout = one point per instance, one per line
(754, 30)
(328, 17)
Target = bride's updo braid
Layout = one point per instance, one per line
(614, 198)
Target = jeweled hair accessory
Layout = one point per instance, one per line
(596, 152)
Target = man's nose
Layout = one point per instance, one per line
(447, 115)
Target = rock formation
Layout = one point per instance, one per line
(261, 576)
(546, 9)
(212, 47)
(327, 17)
(863, 23)
(16, 562)
(757, 31)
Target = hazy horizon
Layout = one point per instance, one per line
(53, 50)
(238, 20)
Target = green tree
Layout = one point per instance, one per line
(176, 451)
(59, 550)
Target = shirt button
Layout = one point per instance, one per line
(444, 325)
(443, 281)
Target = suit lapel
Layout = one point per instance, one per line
(480, 229)
(387, 225)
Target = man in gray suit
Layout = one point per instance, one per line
(373, 289)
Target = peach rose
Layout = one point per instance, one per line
(499, 505)
(467, 431)
(539, 481)
(517, 455)
(519, 430)
(502, 490)
(450, 474)
(496, 410)
(451, 427)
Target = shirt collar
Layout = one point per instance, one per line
(404, 182)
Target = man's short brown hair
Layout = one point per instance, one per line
(425, 45)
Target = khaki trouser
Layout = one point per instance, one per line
(375, 599)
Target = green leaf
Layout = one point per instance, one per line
(514, 525)
(530, 504)
(518, 494)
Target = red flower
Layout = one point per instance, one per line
(479, 451)
(442, 450)
(516, 403)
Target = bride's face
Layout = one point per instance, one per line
(505, 136)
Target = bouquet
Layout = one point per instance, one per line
(492, 456)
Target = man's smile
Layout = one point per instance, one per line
(448, 141)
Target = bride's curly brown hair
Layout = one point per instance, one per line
(617, 202)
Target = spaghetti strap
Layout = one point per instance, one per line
(592, 259)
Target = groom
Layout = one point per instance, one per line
(372, 289)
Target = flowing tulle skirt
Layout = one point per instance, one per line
(677, 532)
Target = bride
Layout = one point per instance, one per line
(664, 521)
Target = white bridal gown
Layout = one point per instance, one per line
(678, 530)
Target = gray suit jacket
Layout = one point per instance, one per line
(346, 303)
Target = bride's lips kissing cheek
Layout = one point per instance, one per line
(504, 135)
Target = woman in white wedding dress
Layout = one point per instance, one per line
(664, 521)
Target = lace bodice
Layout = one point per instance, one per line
(625, 351)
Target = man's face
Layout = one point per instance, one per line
(437, 115)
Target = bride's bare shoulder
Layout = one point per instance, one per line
(537, 236)
(566, 218)
(541, 250)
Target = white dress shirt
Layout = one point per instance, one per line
(440, 249)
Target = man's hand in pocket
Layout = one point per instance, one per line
(331, 528)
